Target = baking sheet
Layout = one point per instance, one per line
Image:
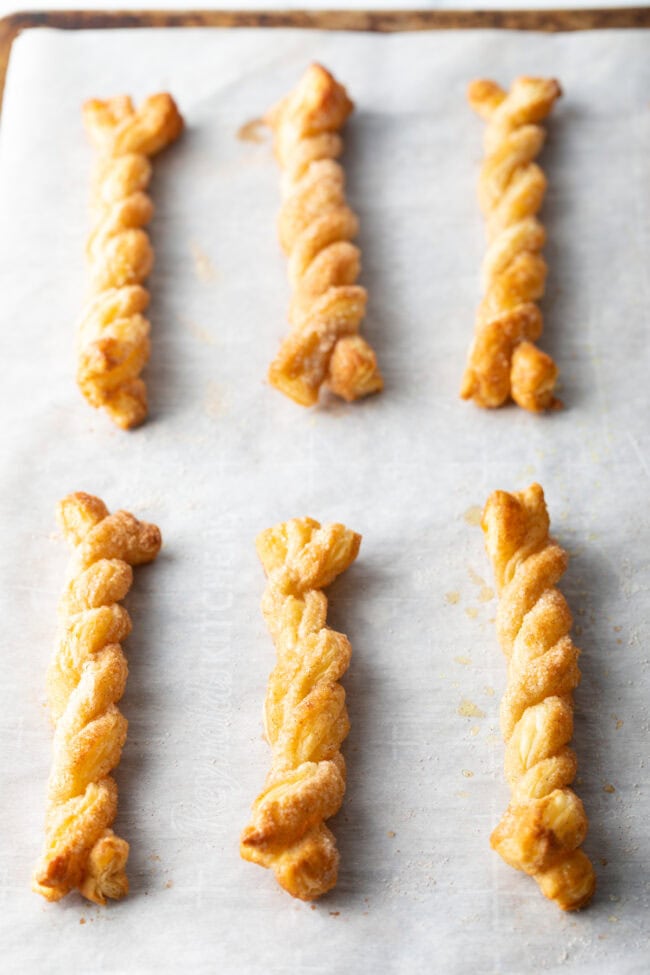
(224, 455)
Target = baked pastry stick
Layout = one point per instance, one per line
(503, 360)
(113, 338)
(85, 680)
(305, 716)
(545, 824)
(316, 229)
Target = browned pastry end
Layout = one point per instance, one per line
(316, 229)
(305, 715)
(85, 681)
(545, 824)
(504, 361)
(113, 338)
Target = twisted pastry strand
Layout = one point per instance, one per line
(503, 361)
(85, 681)
(316, 228)
(113, 336)
(305, 716)
(545, 823)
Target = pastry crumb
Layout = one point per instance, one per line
(252, 131)
(467, 709)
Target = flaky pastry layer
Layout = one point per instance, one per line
(316, 229)
(545, 824)
(305, 715)
(86, 679)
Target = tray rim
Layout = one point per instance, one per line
(382, 21)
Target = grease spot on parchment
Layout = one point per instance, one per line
(197, 331)
(203, 266)
(215, 402)
(486, 593)
(475, 577)
(473, 515)
(452, 597)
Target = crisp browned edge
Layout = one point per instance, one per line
(370, 20)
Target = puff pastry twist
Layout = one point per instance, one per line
(305, 716)
(545, 823)
(113, 338)
(85, 681)
(316, 228)
(503, 359)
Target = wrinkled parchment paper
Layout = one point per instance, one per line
(224, 455)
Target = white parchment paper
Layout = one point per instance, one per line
(224, 455)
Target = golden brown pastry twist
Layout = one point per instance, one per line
(545, 823)
(316, 228)
(305, 716)
(113, 335)
(503, 360)
(85, 681)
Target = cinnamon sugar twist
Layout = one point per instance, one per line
(305, 716)
(316, 228)
(545, 823)
(503, 359)
(113, 337)
(85, 681)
